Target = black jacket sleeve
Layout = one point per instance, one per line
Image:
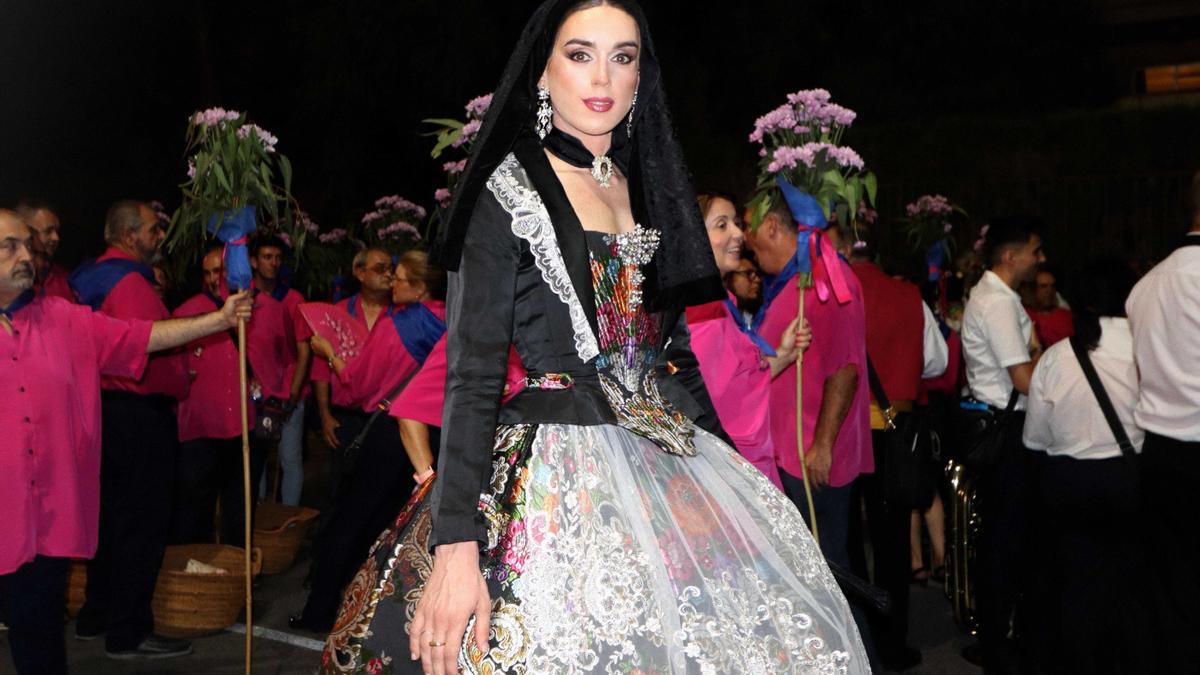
(479, 325)
(679, 377)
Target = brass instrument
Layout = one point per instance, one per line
(962, 534)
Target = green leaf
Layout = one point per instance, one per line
(872, 185)
(285, 171)
(453, 124)
(221, 177)
(445, 141)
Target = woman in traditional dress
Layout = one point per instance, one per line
(736, 363)
(596, 521)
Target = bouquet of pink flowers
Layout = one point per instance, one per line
(929, 225)
(393, 225)
(800, 142)
(457, 135)
(232, 183)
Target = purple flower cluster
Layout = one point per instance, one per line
(265, 137)
(214, 116)
(306, 222)
(805, 111)
(396, 203)
(935, 205)
(286, 239)
(789, 157)
(160, 212)
(866, 214)
(477, 107)
(399, 230)
(442, 197)
(333, 236)
(455, 167)
(191, 169)
(469, 131)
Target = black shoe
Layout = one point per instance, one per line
(87, 632)
(902, 659)
(153, 647)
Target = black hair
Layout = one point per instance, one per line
(1099, 289)
(1194, 198)
(267, 241)
(1006, 233)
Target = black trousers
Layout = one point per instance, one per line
(34, 598)
(376, 487)
(1006, 495)
(139, 444)
(1091, 611)
(888, 526)
(1170, 472)
(208, 470)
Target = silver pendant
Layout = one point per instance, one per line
(602, 170)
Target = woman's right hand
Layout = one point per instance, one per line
(454, 592)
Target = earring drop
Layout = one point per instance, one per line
(545, 114)
(629, 122)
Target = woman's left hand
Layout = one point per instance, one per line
(796, 338)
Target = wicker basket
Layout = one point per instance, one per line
(278, 531)
(191, 605)
(76, 586)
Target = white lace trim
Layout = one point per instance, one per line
(531, 222)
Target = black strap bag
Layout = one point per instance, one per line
(984, 431)
(910, 457)
(1106, 406)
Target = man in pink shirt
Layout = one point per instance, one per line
(836, 422)
(52, 357)
(140, 443)
(42, 219)
(210, 426)
(266, 259)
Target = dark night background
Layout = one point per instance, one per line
(1030, 106)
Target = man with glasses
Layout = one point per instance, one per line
(54, 356)
(340, 420)
(139, 448)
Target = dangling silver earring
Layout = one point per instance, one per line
(629, 122)
(545, 114)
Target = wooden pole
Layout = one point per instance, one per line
(245, 481)
(801, 283)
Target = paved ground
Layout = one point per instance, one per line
(284, 651)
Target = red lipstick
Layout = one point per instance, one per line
(600, 105)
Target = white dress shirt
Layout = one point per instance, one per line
(934, 348)
(1064, 417)
(1164, 314)
(995, 335)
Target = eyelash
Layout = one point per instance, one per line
(573, 56)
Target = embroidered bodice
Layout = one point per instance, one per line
(629, 338)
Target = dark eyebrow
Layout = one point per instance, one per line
(588, 43)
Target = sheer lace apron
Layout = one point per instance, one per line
(606, 554)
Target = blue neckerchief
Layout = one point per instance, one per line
(17, 305)
(419, 329)
(736, 315)
(281, 291)
(350, 306)
(215, 300)
(93, 281)
(772, 287)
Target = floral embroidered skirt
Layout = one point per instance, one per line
(606, 554)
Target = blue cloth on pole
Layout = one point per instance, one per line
(234, 227)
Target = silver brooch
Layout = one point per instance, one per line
(602, 170)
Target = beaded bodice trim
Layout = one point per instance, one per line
(629, 339)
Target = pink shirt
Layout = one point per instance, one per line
(738, 379)
(839, 338)
(383, 364)
(423, 397)
(271, 346)
(56, 285)
(134, 298)
(341, 395)
(210, 410)
(50, 369)
(300, 333)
